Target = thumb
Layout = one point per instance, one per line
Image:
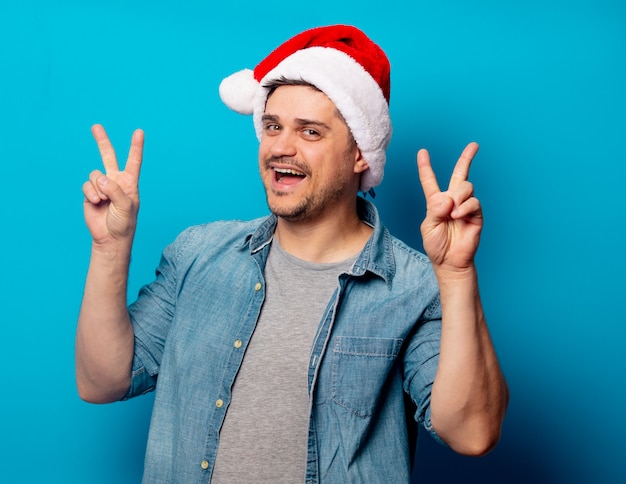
(440, 208)
(114, 193)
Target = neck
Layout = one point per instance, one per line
(331, 239)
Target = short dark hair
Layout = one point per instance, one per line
(283, 81)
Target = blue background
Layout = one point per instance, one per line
(539, 84)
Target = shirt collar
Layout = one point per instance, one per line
(376, 257)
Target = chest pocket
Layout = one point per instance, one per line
(360, 368)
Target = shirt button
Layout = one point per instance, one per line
(258, 286)
(204, 465)
(237, 344)
(219, 403)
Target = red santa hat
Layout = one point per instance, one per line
(343, 63)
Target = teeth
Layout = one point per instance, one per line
(285, 171)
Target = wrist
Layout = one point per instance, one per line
(455, 274)
(112, 252)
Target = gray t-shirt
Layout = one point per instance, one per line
(264, 435)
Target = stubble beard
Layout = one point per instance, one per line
(310, 206)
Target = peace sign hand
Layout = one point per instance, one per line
(454, 220)
(112, 199)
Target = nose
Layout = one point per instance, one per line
(283, 144)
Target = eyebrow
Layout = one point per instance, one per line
(298, 121)
(269, 117)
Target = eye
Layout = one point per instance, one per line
(271, 128)
(311, 133)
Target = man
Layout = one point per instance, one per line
(294, 348)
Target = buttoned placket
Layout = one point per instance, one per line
(221, 404)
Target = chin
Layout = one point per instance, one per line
(292, 212)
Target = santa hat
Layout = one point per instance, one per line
(343, 63)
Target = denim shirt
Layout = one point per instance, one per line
(372, 362)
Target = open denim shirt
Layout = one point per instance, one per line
(372, 362)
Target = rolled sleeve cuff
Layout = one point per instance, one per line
(431, 430)
(143, 376)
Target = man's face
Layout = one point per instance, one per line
(308, 160)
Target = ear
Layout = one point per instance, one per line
(360, 165)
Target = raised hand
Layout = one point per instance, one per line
(454, 220)
(112, 198)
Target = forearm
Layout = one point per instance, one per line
(469, 395)
(104, 337)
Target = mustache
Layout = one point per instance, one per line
(289, 161)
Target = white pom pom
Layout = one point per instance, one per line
(237, 91)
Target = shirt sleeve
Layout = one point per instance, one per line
(151, 316)
(420, 364)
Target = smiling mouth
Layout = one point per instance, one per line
(288, 176)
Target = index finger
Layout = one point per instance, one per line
(426, 174)
(462, 167)
(107, 153)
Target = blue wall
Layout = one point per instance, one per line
(539, 83)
